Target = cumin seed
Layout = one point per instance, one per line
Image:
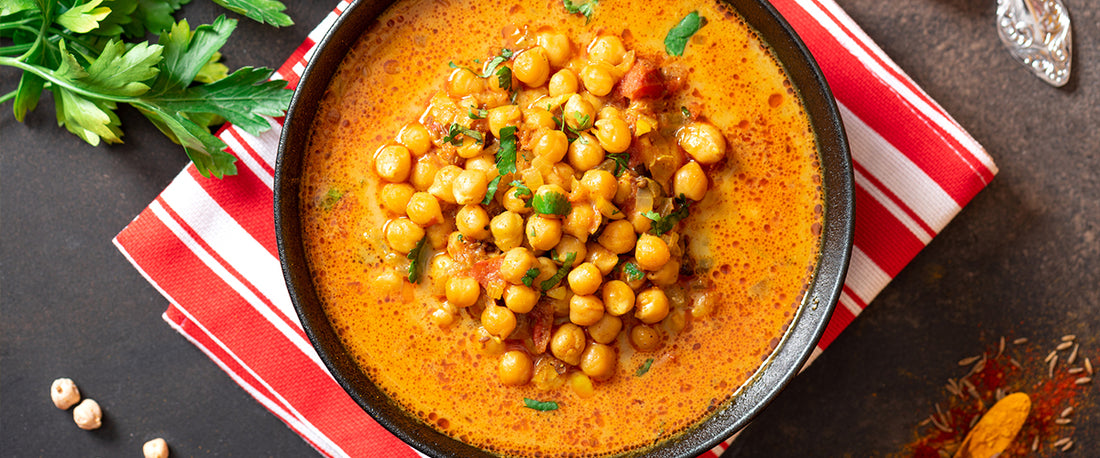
(1061, 442)
(970, 360)
(1082, 380)
(1068, 337)
(1073, 354)
(1063, 346)
(1020, 341)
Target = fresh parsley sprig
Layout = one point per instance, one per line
(662, 224)
(677, 39)
(588, 8)
(566, 266)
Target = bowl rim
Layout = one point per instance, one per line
(789, 356)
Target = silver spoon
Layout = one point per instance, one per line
(1037, 33)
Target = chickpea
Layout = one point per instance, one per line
(439, 233)
(484, 163)
(578, 112)
(614, 134)
(562, 175)
(607, 49)
(585, 279)
(607, 329)
(690, 181)
(416, 138)
(395, 196)
(470, 148)
(618, 236)
(156, 448)
(498, 321)
(423, 209)
(520, 298)
(393, 163)
(618, 297)
(547, 268)
(597, 79)
(598, 361)
(567, 343)
(423, 173)
(585, 310)
(538, 118)
(558, 48)
(602, 258)
(516, 368)
(651, 306)
(667, 275)
(469, 187)
(516, 202)
(464, 82)
(473, 222)
(552, 145)
(651, 252)
(579, 222)
(564, 82)
(402, 234)
(569, 244)
(515, 264)
(645, 338)
(440, 269)
(88, 415)
(485, 343)
(442, 186)
(600, 183)
(503, 116)
(676, 320)
(64, 393)
(585, 152)
(507, 229)
(703, 142)
(543, 233)
(581, 385)
(463, 292)
(531, 66)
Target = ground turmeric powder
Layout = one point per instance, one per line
(997, 427)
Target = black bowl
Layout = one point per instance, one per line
(788, 358)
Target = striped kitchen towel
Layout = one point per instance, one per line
(209, 245)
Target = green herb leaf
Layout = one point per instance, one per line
(331, 198)
(678, 37)
(663, 224)
(457, 129)
(504, 78)
(521, 189)
(480, 114)
(540, 405)
(566, 266)
(491, 66)
(213, 70)
(529, 277)
(506, 154)
(632, 272)
(243, 98)
(491, 190)
(551, 203)
(644, 368)
(684, 111)
(621, 162)
(186, 53)
(265, 11)
(414, 261)
(85, 17)
(14, 6)
(587, 8)
(120, 71)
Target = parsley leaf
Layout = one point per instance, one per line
(678, 36)
(264, 11)
(84, 18)
(414, 261)
(491, 190)
(331, 198)
(644, 367)
(551, 203)
(662, 224)
(529, 277)
(480, 114)
(457, 129)
(587, 8)
(540, 405)
(491, 66)
(633, 273)
(506, 155)
(621, 162)
(504, 78)
(521, 189)
(566, 265)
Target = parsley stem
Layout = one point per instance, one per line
(15, 49)
(48, 75)
(8, 96)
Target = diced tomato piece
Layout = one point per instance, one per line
(643, 81)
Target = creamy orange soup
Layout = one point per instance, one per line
(745, 252)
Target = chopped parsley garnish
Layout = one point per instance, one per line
(457, 129)
(632, 272)
(506, 155)
(644, 368)
(529, 277)
(504, 78)
(414, 261)
(678, 37)
(540, 405)
(551, 203)
(662, 224)
(587, 8)
(684, 111)
(621, 160)
(479, 114)
(331, 197)
(521, 190)
(491, 191)
(491, 67)
(566, 265)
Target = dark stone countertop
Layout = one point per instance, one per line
(1022, 259)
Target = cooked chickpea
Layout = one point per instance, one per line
(600, 183)
(585, 279)
(463, 292)
(444, 316)
(703, 142)
(585, 310)
(156, 448)
(599, 361)
(607, 329)
(690, 181)
(562, 175)
(88, 415)
(651, 252)
(515, 201)
(567, 343)
(543, 233)
(394, 197)
(469, 187)
(585, 152)
(564, 82)
(443, 185)
(515, 264)
(578, 112)
(618, 236)
(569, 244)
(538, 118)
(614, 134)
(423, 209)
(507, 229)
(597, 79)
(531, 66)
(484, 163)
(464, 82)
(645, 338)
(608, 49)
(402, 234)
(503, 116)
(520, 298)
(470, 148)
(667, 275)
(552, 145)
(651, 306)
(64, 393)
(602, 257)
(579, 222)
(516, 368)
(393, 163)
(472, 221)
(440, 269)
(423, 173)
(416, 138)
(498, 321)
(558, 48)
(618, 297)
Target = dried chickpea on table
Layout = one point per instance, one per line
(519, 185)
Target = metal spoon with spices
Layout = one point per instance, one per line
(997, 428)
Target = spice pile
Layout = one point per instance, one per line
(1058, 380)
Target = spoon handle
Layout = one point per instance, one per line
(1037, 34)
